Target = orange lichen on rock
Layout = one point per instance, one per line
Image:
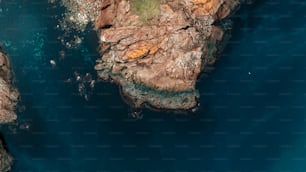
(140, 52)
(205, 7)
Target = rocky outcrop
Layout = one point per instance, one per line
(157, 60)
(8, 100)
(8, 94)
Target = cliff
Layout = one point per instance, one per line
(8, 100)
(156, 49)
(8, 94)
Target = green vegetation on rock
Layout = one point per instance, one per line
(146, 9)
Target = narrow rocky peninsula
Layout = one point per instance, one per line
(156, 49)
(8, 100)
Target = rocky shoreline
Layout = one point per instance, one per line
(155, 50)
(8, 100)
(8, 94)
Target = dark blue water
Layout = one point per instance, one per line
(252, 115)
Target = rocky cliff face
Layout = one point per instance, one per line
(8, 100)
(157, 60)
(8, 94)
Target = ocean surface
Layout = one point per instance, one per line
(252, 114)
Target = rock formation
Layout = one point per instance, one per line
(8, 100)
(8, 94)
(156, 59)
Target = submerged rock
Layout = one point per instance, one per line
(157, 59)
(5, 159)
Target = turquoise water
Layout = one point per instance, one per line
(252, 115)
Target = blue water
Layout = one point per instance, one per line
(252, 115)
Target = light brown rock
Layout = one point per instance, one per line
(8, 100)
(8, 94)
